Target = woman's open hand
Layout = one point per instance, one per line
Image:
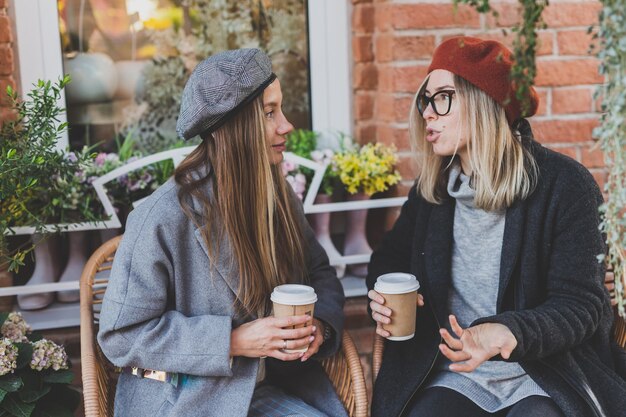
(268, 337)
(476, 344)
(382, 314)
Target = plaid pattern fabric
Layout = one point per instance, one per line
(220, 85)
(271, 401)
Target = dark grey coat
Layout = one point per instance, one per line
(551, 293)
(168, 308)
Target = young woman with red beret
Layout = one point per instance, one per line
(502, 234)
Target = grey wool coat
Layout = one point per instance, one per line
(168, 308)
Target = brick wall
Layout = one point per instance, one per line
(392, 45)
(7, 62)
(393, 42)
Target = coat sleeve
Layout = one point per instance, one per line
(575, 294)
(139, 328)
(394, 252)
(323, 278)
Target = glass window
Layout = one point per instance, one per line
(129, 60)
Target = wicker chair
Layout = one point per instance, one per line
(99, 377)
(619, 333)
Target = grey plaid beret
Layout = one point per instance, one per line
(219, 86)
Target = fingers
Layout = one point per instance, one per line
(284, 356)
(286, 334)
(454, 355)
(374, 296)
(289, 321)
(453, 343)
(456, 328)
(420, 300)
(382, 332)
(314, 347)
(380, 313)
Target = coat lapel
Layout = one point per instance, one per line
(438, 256)
(225, 262)
(511, 246)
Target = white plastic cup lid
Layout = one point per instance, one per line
(396, 283)
(294, 294)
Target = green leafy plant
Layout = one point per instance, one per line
(38, 182)
(612, 136)
(34, 373)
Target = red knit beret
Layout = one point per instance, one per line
(487, 65)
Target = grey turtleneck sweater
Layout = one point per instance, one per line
(477, 246)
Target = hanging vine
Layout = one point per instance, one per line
(524, 45)
(612, 136)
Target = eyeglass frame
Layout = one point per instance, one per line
(431, 101)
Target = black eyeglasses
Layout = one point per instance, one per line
(441, 102)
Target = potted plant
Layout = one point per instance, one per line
(363, 171)
(34, 373)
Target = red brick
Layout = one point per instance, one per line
(384, 48)
(402, 107)
(571, 151)
(407, 167)
(576, 13)
(558, 131)
(568, 72)
(384, 108)
(361, 1)
(6, 35)
(363, 106)
(407, 79)
(542, 110)
(6, 60)
(601, 176)
(7, 114)
(592, 157)
(571, 100)
(386, 79)
(383, 17)
(362, 49)
(509, 14)
(365, 133)
(433, 15)
(363, 18)
(365, 76)
(544, 47)
(575, 42)
(413, 47)
(4, 4)
(389, 135)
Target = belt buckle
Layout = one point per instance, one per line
(155, 375)
(136, 371)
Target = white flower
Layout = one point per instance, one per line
(15, 328)
(8, 356)
(47, 354)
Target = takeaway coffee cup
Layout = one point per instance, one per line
(294, 300)
(400, 293)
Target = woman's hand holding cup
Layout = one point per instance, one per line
(271, 336)
(401, 288)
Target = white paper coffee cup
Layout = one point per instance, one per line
(294, 300)
(400, 292)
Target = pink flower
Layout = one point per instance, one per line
(100, 159)
(288, 166)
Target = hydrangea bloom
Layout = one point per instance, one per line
(15, 328)
(8, 356)
(47, 354)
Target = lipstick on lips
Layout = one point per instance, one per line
(432, 134)
(280, 147)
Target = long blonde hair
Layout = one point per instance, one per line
(503, 169)
(251, 204)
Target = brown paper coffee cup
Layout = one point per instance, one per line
(400, 293)
(294, 300)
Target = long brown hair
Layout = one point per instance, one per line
(251, 204)
(503, 169)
